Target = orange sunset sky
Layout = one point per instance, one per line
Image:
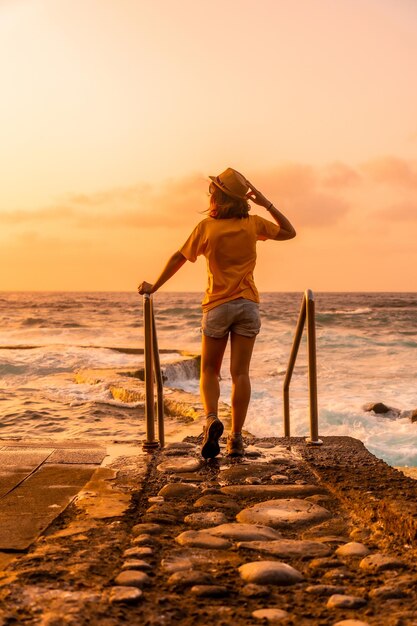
(114, 112)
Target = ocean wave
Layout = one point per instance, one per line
(358, 311)
(186, 370)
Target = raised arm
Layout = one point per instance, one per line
(287, 230)
(174, 264)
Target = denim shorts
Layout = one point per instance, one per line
(239, 316)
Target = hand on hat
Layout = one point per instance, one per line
(257, 197)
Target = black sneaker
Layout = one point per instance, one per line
(213, 430)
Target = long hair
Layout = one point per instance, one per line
(224, 207)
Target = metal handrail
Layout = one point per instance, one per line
(307, 313)
(152, 371)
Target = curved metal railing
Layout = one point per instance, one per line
(306, 317)
(152, 371)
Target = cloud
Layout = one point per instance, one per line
(311, 196)
(298, 190)
(172, 203)
(39, 215)
(392, 171)
(401, 212)
(338, 175)
(290, 180)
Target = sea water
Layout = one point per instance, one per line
(366, 352)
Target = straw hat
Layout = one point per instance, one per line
(231, 183)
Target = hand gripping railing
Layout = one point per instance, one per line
(152, 368)
(307, 313)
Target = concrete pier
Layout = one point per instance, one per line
(289, 534)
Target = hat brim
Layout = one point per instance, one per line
(225, 190)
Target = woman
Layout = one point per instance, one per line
(227, 238)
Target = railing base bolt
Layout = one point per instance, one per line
(150, 446)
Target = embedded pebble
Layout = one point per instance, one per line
(202, 539)
(209, 591)
(205, 520)
(188, 578)
(279, 478)
(154, 499)
(333, 526)
(253, 480)
(325, 590)
(351, 622)
(136, 564)
(146, 529)
(287, 548)
(128, 595)
(360, 534)
(338, 574)
(217, 501)
(252, 453)
(180, 464)
(353, 548)
(178, 490)
(388, 592)
(269, 573)
(138, 552)
(132, 578)
(251, 590)
(277, 491)
(272, 615)
(164, 508)
(379, 563)
(325, 564)
(319, 498)
(144, 540)
(339, 601)
(285, 513)
(245, 532)
(176, 564)
(237, 473)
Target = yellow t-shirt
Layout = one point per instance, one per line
(229, 246)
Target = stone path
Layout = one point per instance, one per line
(258, 540)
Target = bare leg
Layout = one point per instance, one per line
(211, 361)
(241, 353)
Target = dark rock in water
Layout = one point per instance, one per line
(381, 409)
(376, 407)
